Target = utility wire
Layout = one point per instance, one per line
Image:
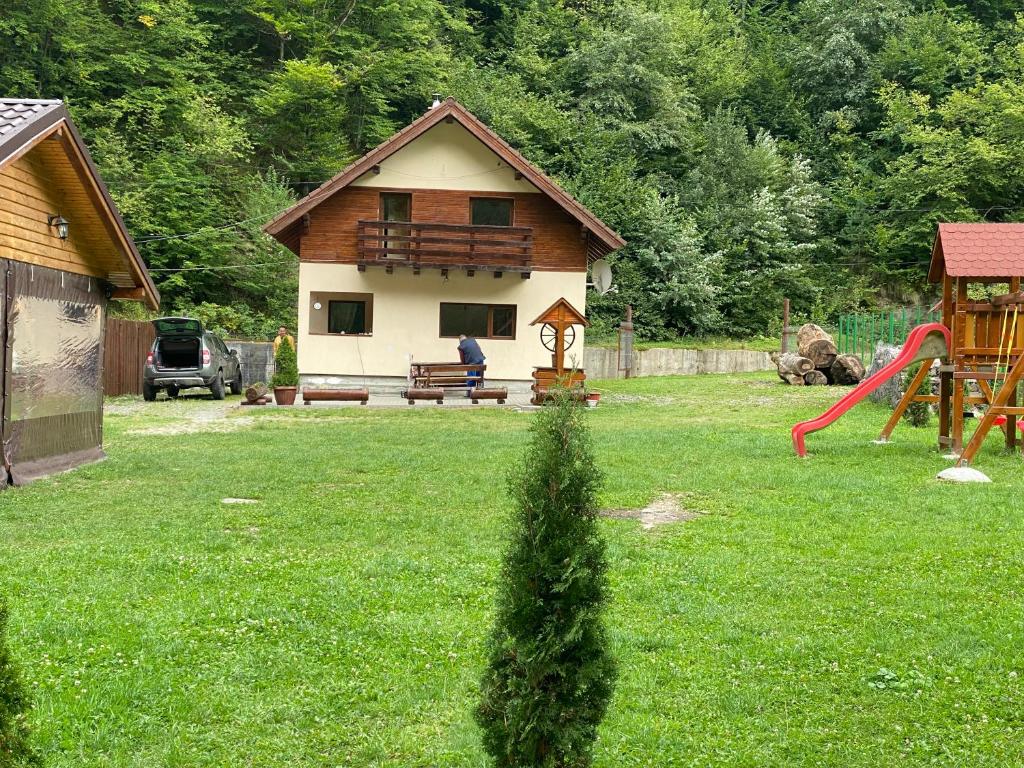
(224, 266)
(210, 229)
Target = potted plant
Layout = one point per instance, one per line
(593, 398)
(286, 374)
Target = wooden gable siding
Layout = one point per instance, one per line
(31, 190)
(557, 241)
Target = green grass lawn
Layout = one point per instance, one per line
(846, 610)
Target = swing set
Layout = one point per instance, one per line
(979, 340)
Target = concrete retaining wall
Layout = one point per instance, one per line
(602, 363)
(256, 358)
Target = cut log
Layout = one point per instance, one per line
(815, 379)
(255, 392)
(847, 369)
(792, 366)
(816, 345)
(811, 332)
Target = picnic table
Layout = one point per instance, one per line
(446, 375)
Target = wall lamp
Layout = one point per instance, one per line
(61, 225)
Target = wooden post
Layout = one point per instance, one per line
(945, 369)
(625, 351)
(1011, 420)
(959, 342)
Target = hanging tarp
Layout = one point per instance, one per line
(53, 389)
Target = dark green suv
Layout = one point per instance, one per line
(184, 355)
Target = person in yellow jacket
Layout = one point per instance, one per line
(283, 335)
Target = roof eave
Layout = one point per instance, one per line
(47, 123)
(127, 245)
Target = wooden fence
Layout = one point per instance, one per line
(125, 348)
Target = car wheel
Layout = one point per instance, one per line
(236, 386)
(148, 392)
(217, 388)
(172, 391)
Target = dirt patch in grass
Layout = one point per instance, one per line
(667, 508)
(192, 416)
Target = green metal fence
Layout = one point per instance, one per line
(859, 334)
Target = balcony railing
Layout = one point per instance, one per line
(424, 245)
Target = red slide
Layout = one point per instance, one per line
(925, 342)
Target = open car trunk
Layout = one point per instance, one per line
(175, 353)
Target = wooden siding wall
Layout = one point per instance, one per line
(557, 241)
(125, 347)
(36, 186)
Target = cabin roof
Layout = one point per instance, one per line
(606, 238)
(24, 123)
(978, 250)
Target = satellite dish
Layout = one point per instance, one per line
(601, 276)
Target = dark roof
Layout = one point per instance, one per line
(20, 118)
(978, 250)
(608, 238)
(26, 122)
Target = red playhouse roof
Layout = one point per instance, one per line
(978, 250)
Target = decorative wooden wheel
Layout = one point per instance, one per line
(549, 337)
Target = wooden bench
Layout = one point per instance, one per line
(446, 375)
(412, 394)
(496, 393)
(336, 395)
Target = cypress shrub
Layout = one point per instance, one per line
(550, 674)
(286, 367)
(14, 746)
(918, 414)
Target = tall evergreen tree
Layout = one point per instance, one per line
(550, 674)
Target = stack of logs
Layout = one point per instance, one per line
(817, 361)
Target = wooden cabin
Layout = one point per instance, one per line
(64, 253)
(442, 230)
(987, 332)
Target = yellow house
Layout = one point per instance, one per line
(64, 253)
(442, 230)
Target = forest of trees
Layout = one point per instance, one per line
(747, 149)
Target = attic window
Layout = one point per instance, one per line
(490, 211)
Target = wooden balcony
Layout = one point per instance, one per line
(423, 245)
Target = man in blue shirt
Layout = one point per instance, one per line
(471, 354)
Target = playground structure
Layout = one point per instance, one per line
(979, 340)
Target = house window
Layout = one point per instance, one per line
(347, 316)
(340, 313)
(490, 211)
(484, 321)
